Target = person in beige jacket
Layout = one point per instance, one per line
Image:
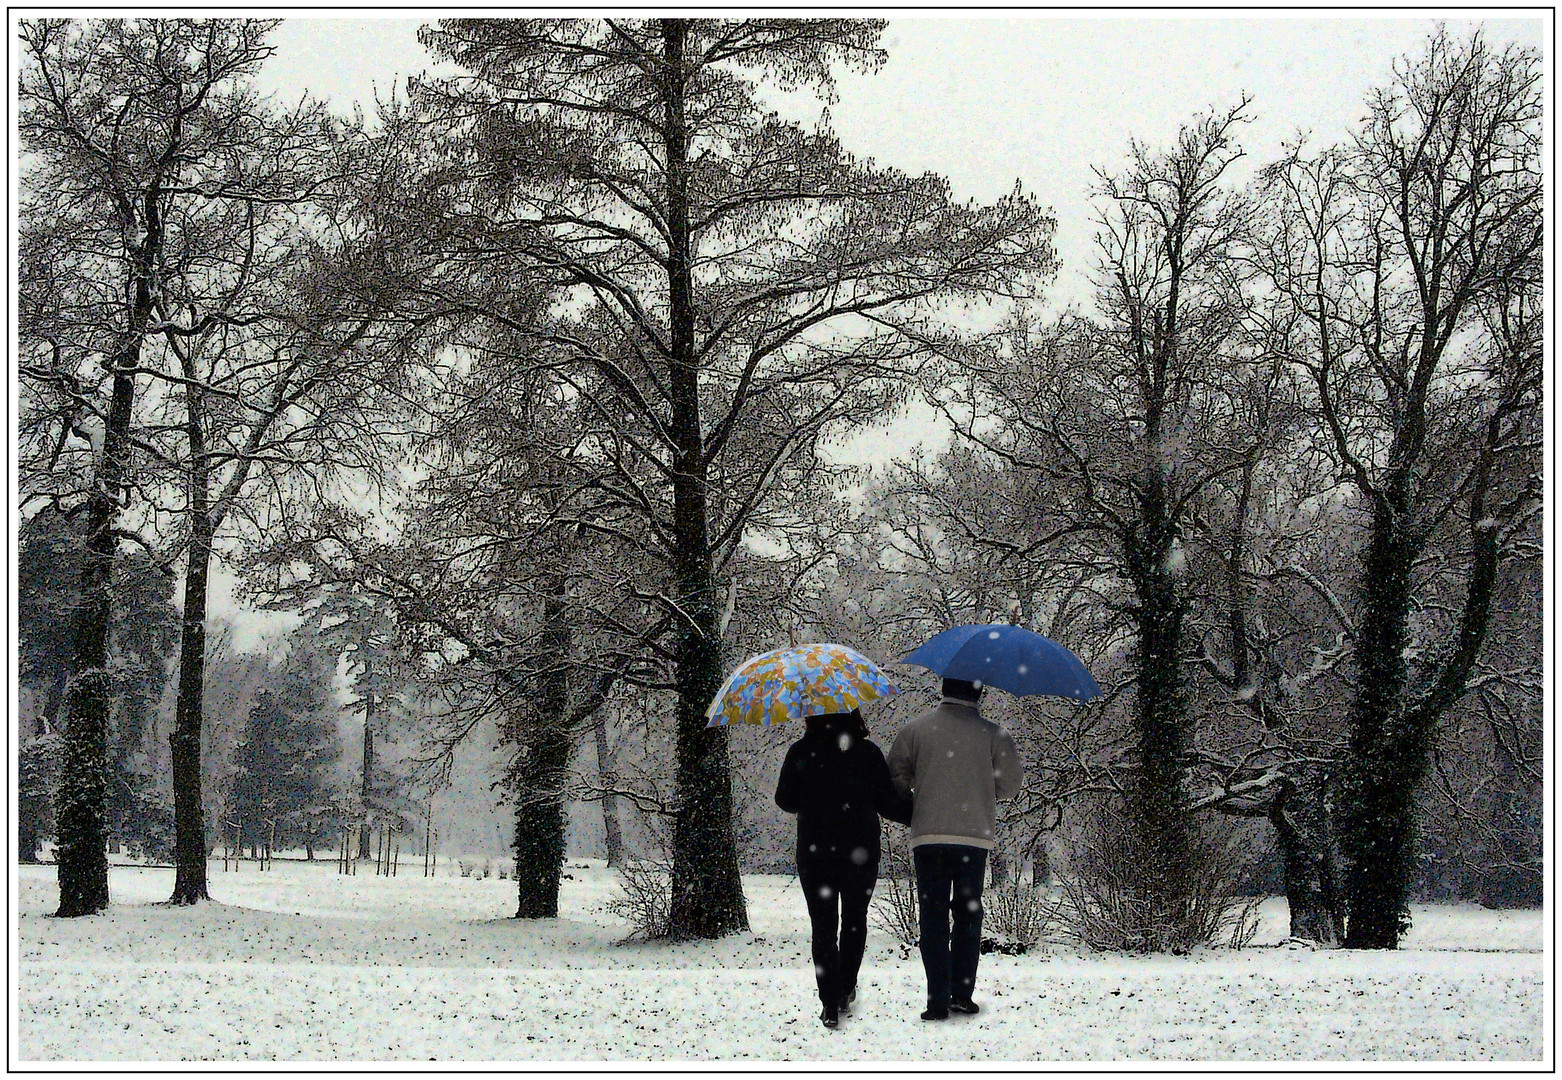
(957, 766)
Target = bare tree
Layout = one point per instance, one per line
(1409, 264)
(1129, 421)
(724, 271)
(115, 116)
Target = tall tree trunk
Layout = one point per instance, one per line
(79, 824)
(707, 897)
(1160, 824)
(1304, 829)
(1388, 746)
(547, 744)
(185, 742)
(607, 776)
(367, 789)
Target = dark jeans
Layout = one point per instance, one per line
(949, 888)
(838, 889)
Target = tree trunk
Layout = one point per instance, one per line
(707, 896)
(367, 789)
(1388, 748)
(1040, 867)
(1305, 831)
(539, 783)
(79, 815)
(1160, 825)
(185, 742)
(607, 776)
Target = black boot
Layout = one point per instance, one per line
(831, 1016)
(936, 1012)
(969, 1007)
(846, 1002)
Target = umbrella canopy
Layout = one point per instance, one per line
(798, 681)
(1008, 657)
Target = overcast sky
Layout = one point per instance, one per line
(988, 101)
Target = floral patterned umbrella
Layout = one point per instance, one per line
(798, 681)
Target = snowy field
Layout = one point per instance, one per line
(299, 964)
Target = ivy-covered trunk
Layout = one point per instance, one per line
(1388, 744)
(81, 799)
(366, 788)
(1160, 713)
(707, 892)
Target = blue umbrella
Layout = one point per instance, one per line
(1008, 657)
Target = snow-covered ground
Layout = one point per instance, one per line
(301, 964)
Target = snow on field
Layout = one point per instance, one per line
(301, 964)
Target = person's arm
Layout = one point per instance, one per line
(890, 803)
(1008, 772)
(788, 795)
(902, 767)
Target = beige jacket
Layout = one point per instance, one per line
(957, 766)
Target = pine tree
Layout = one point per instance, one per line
(285, 762)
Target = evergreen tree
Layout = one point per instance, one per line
(141, 643)
(285, 762)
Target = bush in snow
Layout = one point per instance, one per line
(1018, 916)
(1105, 904)
(895, 899)
(645, 900)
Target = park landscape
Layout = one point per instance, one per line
(400, 479)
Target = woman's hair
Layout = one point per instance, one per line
(850, 722)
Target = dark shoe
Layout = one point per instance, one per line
(970, 1008)
(831, 1016)
(935, 1012)
(846, 1002)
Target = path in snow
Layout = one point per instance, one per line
(300, 964)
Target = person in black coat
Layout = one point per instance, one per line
(836, 782)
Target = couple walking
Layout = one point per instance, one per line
(946, 772)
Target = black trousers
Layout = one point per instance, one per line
(949, 897)
(837, 892)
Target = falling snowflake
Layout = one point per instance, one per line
(860, 857)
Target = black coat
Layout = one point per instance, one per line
(838, 785)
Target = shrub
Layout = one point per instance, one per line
(895, 908)
(1018, 917)
(645, 899)
(1106, 905)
